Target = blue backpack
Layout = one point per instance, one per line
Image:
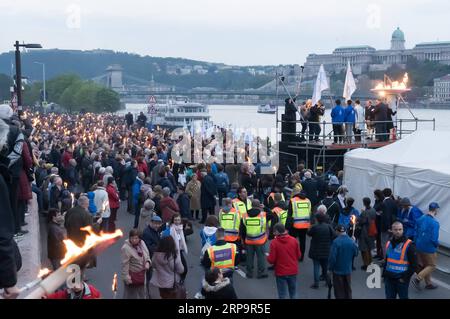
(92, 208)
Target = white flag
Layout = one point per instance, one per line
(321, 85)
(350, 85)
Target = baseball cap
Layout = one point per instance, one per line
(156, 218)
(433, 206)
(405, 201)
(340, 228)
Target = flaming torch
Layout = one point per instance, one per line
(42, 273)
(353, 221)
(114, 286)
(93, 243)
(393, 91)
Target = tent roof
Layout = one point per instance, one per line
(421, 149)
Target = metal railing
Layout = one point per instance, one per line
(371, 134)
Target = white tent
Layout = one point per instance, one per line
(417, 167)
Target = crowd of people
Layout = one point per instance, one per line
(83, 168)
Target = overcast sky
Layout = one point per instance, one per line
(240, 32)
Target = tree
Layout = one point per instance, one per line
(106, 101)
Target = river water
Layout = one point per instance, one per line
(246, 117)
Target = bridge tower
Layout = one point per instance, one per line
(114, 77)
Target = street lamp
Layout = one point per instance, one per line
(43, 81)
(19, 70)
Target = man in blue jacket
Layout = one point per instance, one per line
(338, 117)
(342, 252)
(408, 216)
(136, 191)
(350, 119)
(427, 242)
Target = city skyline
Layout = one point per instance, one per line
(227, 32)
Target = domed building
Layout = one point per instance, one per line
(364, 58)
(398, 40)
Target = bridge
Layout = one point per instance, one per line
(143, 89)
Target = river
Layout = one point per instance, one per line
(246, 117)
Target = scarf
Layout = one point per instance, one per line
(176, 231)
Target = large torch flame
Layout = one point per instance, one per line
(394, 85)
(353, 219)
(92, 240)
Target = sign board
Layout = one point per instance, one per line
(152, 100)
(151, 109)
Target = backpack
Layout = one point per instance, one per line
(92, 208)
(205, 247)
(372, 231)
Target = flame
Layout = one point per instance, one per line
(43, 272)
(91, 241)
(353, 219)
(65, 184)
(394, 85)
(114, 283)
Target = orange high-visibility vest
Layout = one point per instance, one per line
(231, 223)
(256, 228)
(301, 213)
(222, 257)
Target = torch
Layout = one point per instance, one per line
(114, 286)
(93, 244)
(42, 273)
(353, 220)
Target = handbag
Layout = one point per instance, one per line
(138, 277)
(178, 287)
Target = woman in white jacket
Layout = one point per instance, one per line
(101, 201)
(360, 124)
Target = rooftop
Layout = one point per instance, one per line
(356, 47)
(439, 43)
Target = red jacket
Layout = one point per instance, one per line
(64, 294)
(24, 192)
(168, 207)
(142, 167)
(113, 196)
(66, 158)
(284, 255)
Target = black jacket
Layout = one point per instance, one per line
(381, 112)
(206, 261)
(389, 214)
(55, 246)
(332, 209)
(322, 235)
(411, 255)
(290, 111)
(151, 239)
(208, 192)
(8, 247)
(312, 191)
(223, 290)
(315, 112)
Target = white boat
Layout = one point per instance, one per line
(267, 108)
(180, 112)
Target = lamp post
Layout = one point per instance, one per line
(44, 102)
(17, 45)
